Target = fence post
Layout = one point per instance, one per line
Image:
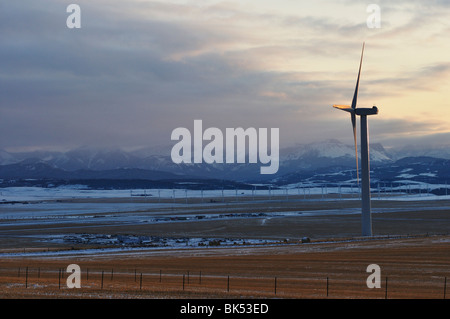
(140, 282)
(183, 282)
(200, 278)
(26, 277)
(386, 291)
(160, 277)
(327, 286)
(275, 286)
(102, 278)
(59, 278)
(445, 286)
(228, 284)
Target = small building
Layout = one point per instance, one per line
(306, 240)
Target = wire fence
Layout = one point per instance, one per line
(126, 282)
(272, 192)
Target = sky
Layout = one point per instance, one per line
(136, 70)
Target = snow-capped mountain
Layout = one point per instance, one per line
(7, 158)
(300, 157)
(334, 149)
(328, 153)
(436, 151)
(329, 156)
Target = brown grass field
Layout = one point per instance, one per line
(411, 245)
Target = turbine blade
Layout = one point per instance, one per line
(355, 95)
(346, 108)
(356, 145)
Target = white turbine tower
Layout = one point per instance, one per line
(366, 217)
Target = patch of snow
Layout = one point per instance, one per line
(406, 176)
(428, 174)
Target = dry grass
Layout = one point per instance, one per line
(415, 267)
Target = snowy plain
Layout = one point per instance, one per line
(28, 206)
(401, 187)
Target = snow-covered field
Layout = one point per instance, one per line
(43, 204)
(112, 243)
(38, 193)
(10, 194)
(66, 222)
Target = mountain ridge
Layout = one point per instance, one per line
(302, 160)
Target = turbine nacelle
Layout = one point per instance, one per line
(358, 111)
(366, 111)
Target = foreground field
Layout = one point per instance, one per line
(411, 246)
(411, 267)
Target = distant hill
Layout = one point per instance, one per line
(328, 161)
(39, 170)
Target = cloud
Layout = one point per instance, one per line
(386, 128)
(427, 78)
(136, 70)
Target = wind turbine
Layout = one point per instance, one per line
(366, 217)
